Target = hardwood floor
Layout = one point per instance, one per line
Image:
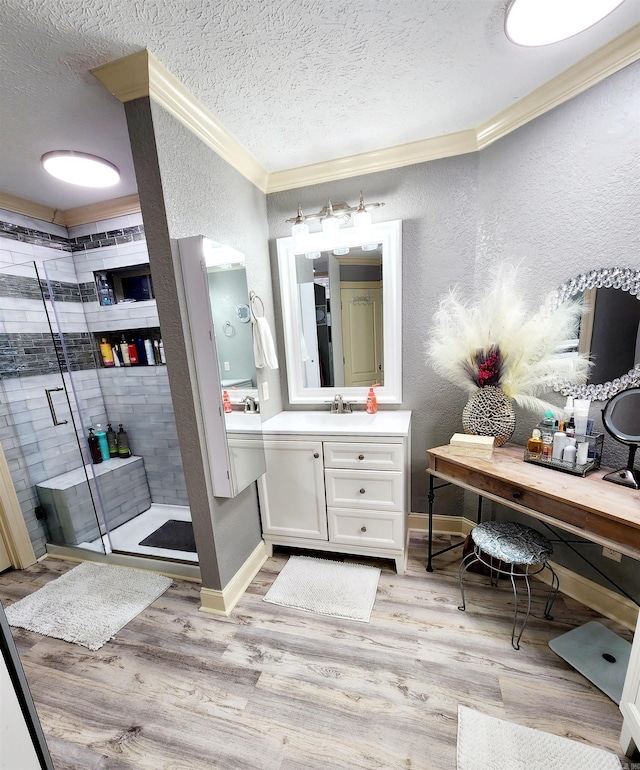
(275, 688)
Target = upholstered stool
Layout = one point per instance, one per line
(509, 548)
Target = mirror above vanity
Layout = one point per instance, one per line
(342, 314)
(609, 330)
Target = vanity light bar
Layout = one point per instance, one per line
(334, 215)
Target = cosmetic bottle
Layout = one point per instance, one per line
(94, 448)
(163, 360)
(559, 443)
(372, 401)
(142, 353)
(534, 444)
(124, 352)
(581, 415)
(548, 420)
(148, 349)
(156, 353)
(112, 441)
(115, 350)
(582, 453)
(571, 428)
(102, 441)
(106, 353)
(133, 353)
(569, 453)
(547, 446)
(123, 444)
(226, 401)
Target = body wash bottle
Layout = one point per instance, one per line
(372, 401)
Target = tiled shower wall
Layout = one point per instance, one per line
(137, 396)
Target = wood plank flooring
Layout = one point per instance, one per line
(281, 689)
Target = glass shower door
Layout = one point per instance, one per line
(40, 433)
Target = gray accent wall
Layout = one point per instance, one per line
(562, 194)
(186, 190)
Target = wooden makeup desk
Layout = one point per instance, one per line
(588, 507)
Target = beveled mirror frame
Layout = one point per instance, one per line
(623, 278)
(389, 234)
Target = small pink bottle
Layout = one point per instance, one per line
(226, 401)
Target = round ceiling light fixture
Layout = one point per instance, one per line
(542, 22)
(80, 168)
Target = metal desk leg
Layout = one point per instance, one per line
(430, 497)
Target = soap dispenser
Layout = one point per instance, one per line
(123, 444)
(94, 448)
(112, 441)
(372, 401)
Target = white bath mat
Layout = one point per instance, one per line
(488, 743)
(326, 587)
(89, 604)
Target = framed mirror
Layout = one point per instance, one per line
(342, 315)
(609, 330)
(215, 285)
(621, 419)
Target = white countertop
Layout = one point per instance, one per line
(383, 423)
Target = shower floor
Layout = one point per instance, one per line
(127, 537)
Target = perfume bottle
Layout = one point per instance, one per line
(534, 444)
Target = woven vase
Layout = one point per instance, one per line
(489, 412)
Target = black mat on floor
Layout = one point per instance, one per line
(176, 535)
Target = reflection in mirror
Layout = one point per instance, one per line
(609, 330)
(215, 286)
(621, 418)
(342, 315)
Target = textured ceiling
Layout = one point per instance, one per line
(295, 81)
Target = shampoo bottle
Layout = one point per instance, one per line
(94, 448)
(148, 349)
(226, 401)
(112, 441)
(123, 444)
(163, 360)
(124, 352)
(106, 353)
(102, 442)
(156, 353)
(133, 352)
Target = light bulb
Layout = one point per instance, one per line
(362, 219)
(341, 251)
(541, 22)
(330, 222)
(80, 168)
(313, 255)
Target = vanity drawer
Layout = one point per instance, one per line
(379, 490)
(371, 457)
(371, 529)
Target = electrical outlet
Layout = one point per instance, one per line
(609, 553)
(265, 391)
(226, 366)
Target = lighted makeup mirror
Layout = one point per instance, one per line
(621, 418)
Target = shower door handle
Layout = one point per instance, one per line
(56, 421)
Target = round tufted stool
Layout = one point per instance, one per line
(509, 548)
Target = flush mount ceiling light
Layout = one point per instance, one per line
(80, 168)
(541, 22)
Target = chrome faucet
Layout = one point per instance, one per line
(340, 406)
(250, 404)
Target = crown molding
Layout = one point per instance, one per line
(616, 55)
(377, 160)
(96, 212)
(142, 74)
(28, 208)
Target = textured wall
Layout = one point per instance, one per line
(562, 193)
(186, 190)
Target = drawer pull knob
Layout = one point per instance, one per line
(517, 495)
(316, 455)
(362, 491)
(360, 457)
(363, 529)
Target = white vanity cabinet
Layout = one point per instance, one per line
(337, 482)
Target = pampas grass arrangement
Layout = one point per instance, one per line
(505, 341)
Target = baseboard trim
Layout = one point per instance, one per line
(222, 602)
(608, 603)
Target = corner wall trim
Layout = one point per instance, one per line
(142, 74)
(222, 602)
(608, 603)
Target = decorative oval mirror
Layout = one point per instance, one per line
(609, 330)
(621, 418)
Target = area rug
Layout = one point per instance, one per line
(597, 653)
(489, 743)
(89, 604)
(173, 534)
(326, 587)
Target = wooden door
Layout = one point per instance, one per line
(362, 333)
(292, 502)
(5, 561)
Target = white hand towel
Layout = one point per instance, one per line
(264, 349)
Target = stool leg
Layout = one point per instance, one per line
(469, 559)
(515, 643)
(553, 592)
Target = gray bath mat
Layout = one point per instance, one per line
(173, 534)
(597, 653)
